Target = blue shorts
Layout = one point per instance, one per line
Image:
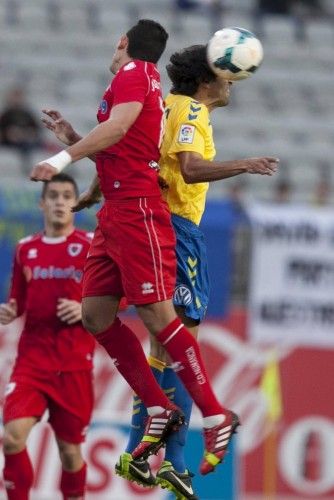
(192, 281)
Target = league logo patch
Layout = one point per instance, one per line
(103, 106)
(186, 135)
(74, 249)
(182, 296)
(129, 66)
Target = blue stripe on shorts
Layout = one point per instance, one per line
(192, 281)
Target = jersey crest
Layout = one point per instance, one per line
(74, 249)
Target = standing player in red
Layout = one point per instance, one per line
(133, 250)
(53, 368)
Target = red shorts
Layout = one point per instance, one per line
(133, 252)
(67, 395)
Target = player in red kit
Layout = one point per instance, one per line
(133, 250)
(53, 368)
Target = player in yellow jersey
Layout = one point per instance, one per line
(186, 168)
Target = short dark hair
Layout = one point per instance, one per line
(188, 69)
(62, 177)
(147, 40)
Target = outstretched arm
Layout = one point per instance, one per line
(195, 169)
(102, 136)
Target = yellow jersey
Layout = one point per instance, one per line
(188, 128)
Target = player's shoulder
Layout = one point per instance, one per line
(82, 235)
(186, 108)
(28, 245)
(29, 239)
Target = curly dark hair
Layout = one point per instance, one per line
(188, 69)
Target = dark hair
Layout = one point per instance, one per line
(147, 40)
(62, 177)
(188, 69)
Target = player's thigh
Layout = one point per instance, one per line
(101, 273)
(140, 238)
(191, 295)
(71, 405)
(23, 399)
(24, 405)
(98, 313)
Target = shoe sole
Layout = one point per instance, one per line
(166, 484)
(134, 479)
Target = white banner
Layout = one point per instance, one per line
(292, 274)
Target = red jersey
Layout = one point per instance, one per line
(129, 168)
(46, 269)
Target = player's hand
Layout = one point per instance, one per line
(162, 183)
(8, 312)
(263, 166)
(43, 172)
(69, 311)
(62, 129)
(86, 200)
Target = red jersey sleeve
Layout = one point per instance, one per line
(132, 84)
(19, 284)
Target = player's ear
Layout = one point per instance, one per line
(123, 43)
(41, 204)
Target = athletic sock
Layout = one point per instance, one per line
(127, 353)
(18, 475)
(184, 351)
(176, 391)
(72, 484)
(139, 412)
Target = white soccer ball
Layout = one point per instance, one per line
(234, 53)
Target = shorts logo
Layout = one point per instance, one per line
(182, 295)
(186, 135)
(10, 388)
(74, 249)
(9, 485)
(103, 106)
(147, 288)
(84, 431)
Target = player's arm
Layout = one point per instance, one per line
(17, 297)
(104, 135)
(195, 169)
(90, 197)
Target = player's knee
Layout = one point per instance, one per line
(70, 456)
(95, 323)
(13, 441)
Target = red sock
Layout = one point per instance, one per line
(72, 484)
(184, 350)
(18, 475)
(127, 353)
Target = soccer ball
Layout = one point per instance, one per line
(234, 53)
